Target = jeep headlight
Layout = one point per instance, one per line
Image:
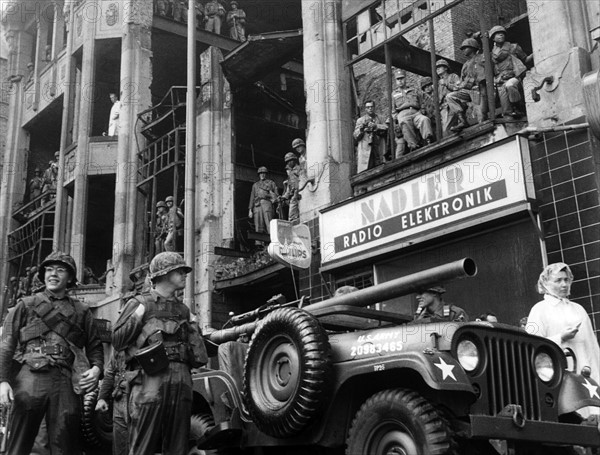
(467, 354)
(544, 366)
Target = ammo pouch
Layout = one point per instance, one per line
(153, 358)
(38, 364)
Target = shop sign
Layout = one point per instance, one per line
(290, 244)
(479, 185)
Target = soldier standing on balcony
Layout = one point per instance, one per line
(46, 333)
(174, 220)
(160, 227)
(370, 133)
(35, 186)
(264, 193)
(447, 83)
(236, 19)
(156, 329)
(213, 15)
(292, 191)
(471, 88)
(509, 65)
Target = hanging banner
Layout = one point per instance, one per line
(290, 244)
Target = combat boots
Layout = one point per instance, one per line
(461, 125)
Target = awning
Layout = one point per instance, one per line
(261, 54)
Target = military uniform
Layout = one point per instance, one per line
(236, 19)
(292, 192)
(446, 85)
(41, 334)
(160, 402)
(264, 192)
(407, 103)
(509, 65)
(447, 312)
(174, 222)
(115, 387)
(213, 13)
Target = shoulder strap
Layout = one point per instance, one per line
(57, 322)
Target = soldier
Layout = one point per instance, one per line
(174, 224)
(433, 307)
(427, 103)
(114, 386)
(299, 147)
(369, 133)
(35, 186)
(155, 328)
(264, 193)
(50, 180)
(236, 19)
(213, 14)
(292, 191)
(160, 227)
(161, 7)
(113, 119)
(471, 87)
(46, 333)
(447, 82)
(407, 104)
(509, 64)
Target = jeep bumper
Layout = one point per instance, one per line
(487, 427)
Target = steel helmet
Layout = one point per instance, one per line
(442, 62)
(262, 170)
(289, 157)
(426, 81)
(496, 29)
(58, 257)
(436, 289)
(297, 142)
(166, 262)
(161, 204)
(470, 42)
(169, 199)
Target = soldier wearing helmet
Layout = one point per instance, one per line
(470, 89)
(44, 333)
(236, 19)
(509, 61)
(155, 328)
(431, 306)
(160, 227)
(260, 208)
(291, 192)
(35, 186)
(447, 82)
(173, 224)
(300, 148)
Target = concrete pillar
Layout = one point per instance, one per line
(135, 96)
(215, 177)
(560, 39)
(13, 181)
(86, 107)
(327, 86)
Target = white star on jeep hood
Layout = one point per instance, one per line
(446, 369)
(593, 389)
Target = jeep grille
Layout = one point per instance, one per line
(511, 378)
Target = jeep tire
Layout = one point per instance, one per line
(287, 371)
(398, 421)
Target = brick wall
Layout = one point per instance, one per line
(566, 177)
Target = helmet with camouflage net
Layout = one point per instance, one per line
(297, 142)
(58, 257)
(426, 81)
(262, 170)
(496, 29)
(442, 62)
(289, 157)
(161, 204)
(470, 42)
(166, 262)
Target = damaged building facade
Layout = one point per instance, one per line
(512, 192)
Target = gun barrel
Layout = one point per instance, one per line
(462, 268)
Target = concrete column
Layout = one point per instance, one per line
(327, 85)
(559, 35)
(135, 96)
(13, 179)
(86, 108)
(215, 177)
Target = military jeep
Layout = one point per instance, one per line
(337, 377)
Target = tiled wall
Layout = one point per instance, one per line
(566, 176)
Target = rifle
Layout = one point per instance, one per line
(5, 413)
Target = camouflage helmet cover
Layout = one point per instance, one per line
(297, 142)
(289, 157)
(166, 262)
(496, 29)
(426, 81)
(262, 170)
(58, 257)
(470, 42)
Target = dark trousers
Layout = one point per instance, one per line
(46, 393)
(120, 430)
(160, 407)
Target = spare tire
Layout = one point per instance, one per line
(287, 372)
(96, 426)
